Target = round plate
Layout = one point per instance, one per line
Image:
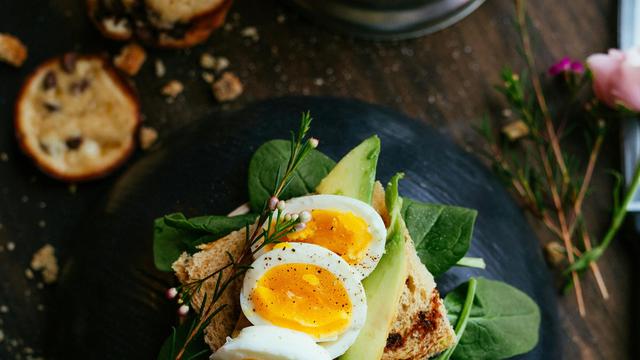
(388, 19)
(113, 295)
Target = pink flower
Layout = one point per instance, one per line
(566, 65)
(616, 77)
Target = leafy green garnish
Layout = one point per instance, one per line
(503, 322)
(463, 319)
(441, 233)
(174, 233)
(195, 350)
(269, 160)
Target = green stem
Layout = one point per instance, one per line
(472, 262)
(461, 324)
(619, 215)
(621, 212)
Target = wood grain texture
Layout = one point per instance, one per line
(445, 79)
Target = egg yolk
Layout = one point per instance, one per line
(341, 232)
(303, 297)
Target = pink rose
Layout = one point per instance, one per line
(616, 77)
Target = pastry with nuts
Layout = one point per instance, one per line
(162, 23)
(76, 117)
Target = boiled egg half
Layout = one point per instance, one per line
(309, 289)
(349, 227)
(270, 343)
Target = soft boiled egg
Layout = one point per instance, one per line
(348, 227)
(270, 343)
(306, 288)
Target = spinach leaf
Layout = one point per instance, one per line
(196, 349)
(271, 157)
(504, 321)
(441, 233)
(174, 233)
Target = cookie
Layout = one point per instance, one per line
(161, 23)
(76, 117)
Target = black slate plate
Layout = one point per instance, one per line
(114, 296)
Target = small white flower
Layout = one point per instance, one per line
(281, 205)
(314, 142)
(171, 293)
(287, 217)
(294, 217)
(183, 310)
(305, 217)
(299, 226)
(273, 202)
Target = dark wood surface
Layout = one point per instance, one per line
(445, 79)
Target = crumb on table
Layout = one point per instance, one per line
(160, 68)
(148, 137)
(173, 88)
(12, 50)
(227, 88)
(44, 260)
(130, 59)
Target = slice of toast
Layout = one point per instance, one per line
(420, 328)
(213, 256)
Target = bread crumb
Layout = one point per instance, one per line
(44, 260)
(250, 32)
(11, 246)
(207, 61)
(28, 273)
(4, 157)
(1, 336)
(73, 189)
(222, 63)
(160, 68)
(130, 59)
(40, 307)
(227, 88)
(12, 50)
(148, 137)
(281, 19)
(172, 89)
(555, 253)
(4, 309)
(208, 77)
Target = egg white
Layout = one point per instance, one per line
(374, 221)
(270, 343)
(319, 256)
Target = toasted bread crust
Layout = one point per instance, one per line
(193, 32)
(12, 50)
(25, 137)
(197, 266)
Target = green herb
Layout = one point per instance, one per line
(270, 227)
(270, 158)
(461, 324)
(441, 233)
(503, 322)
(472, 262)
(174, 234)
(197, 349)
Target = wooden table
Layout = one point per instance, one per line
(445, 80)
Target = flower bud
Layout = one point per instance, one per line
(183, 310)
(273, 202)
(305, 216)
(171, 293)
(314, 142)
(287, 217)
(294, 217)
(299, 226)
(281, 204)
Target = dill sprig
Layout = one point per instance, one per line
(271, 226)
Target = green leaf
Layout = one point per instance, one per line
(441, 233)
(271, 157)
(174, 233)
(504, 321)
(196, 349)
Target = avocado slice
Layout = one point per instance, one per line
(355, 174)
(384, 285)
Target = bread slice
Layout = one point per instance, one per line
(76, 117)
(161, 23)
(210, 258)
(419, 330)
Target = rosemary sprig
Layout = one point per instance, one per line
(271, 226)
(547, 180)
